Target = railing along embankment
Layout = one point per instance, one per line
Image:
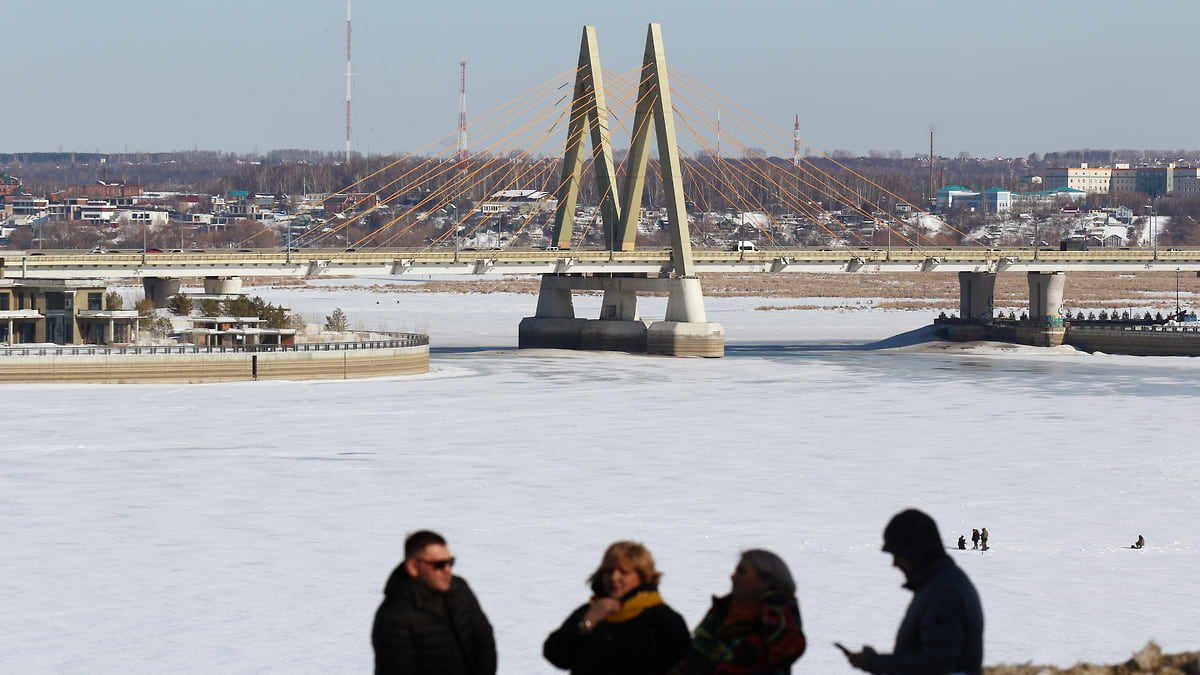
(403, 354)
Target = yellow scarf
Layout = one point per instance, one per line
(636, 605)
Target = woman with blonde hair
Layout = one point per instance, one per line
(626, 628)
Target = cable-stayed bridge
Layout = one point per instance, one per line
(642, 224)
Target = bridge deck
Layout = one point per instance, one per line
(442, 261)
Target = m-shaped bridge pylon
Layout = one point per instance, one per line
(685, 330)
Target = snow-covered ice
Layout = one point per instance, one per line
(250, 527)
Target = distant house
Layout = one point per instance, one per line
(235, 331)
(521, 202)
(117, 194)
(353, 201)
(139, 218)
(61, 311)
(9, 184)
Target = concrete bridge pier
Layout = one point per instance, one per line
(685, 332)
(160, 289)
(976, 296)
(1045, 327)
(222, 285)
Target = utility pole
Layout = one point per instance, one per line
(932, 192)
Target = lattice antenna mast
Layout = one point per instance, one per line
(796, 142)
(348, 80)
(461, 156)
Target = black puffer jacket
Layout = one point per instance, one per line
(942, 631)
(419, 631)
(650, 643)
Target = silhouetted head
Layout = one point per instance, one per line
(759, 572)
(913, 536)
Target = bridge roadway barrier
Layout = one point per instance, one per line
(406, 354)
(446, 261)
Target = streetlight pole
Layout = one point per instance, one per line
(1154, 230)
(1036, 235)
(1149, 208)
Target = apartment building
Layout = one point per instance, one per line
(1154, 180)
(1082, 177)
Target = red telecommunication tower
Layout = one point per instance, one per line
(796, 142)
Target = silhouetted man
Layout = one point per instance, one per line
(430, 622)
(942, 632)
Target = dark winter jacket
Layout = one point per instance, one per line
(767, 644)
(645, 638)
(420, 631)
(942, 631)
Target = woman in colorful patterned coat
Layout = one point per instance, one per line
(626, 628)
(756, 629)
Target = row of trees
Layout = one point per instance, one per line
(273, 316)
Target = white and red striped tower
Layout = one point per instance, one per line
(461, 155)
(348, 80)
(796, 142)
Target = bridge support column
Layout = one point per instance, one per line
(160, 289)
(976, 296)
(685, 332)
(222, 285)
(1045, 327)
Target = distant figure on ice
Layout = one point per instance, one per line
(1139, 543)
(626, 628)
(430, 622)
(974, 539)
(942, 631)
(755, 629)
(983, 539)
(962, 543)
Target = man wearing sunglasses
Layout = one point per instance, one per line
(430, 622)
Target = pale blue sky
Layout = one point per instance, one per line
(994, 79)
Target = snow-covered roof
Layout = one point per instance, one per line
(531, 195)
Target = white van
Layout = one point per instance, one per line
(743, 246)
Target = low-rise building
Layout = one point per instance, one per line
(118, 194)
(521, 202)
(991, 200)
(235, 331)
(138, 217)
(62, 311)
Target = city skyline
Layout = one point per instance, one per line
(863, 76)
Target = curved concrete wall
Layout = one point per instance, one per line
(217, 366)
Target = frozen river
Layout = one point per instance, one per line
(250, 527)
